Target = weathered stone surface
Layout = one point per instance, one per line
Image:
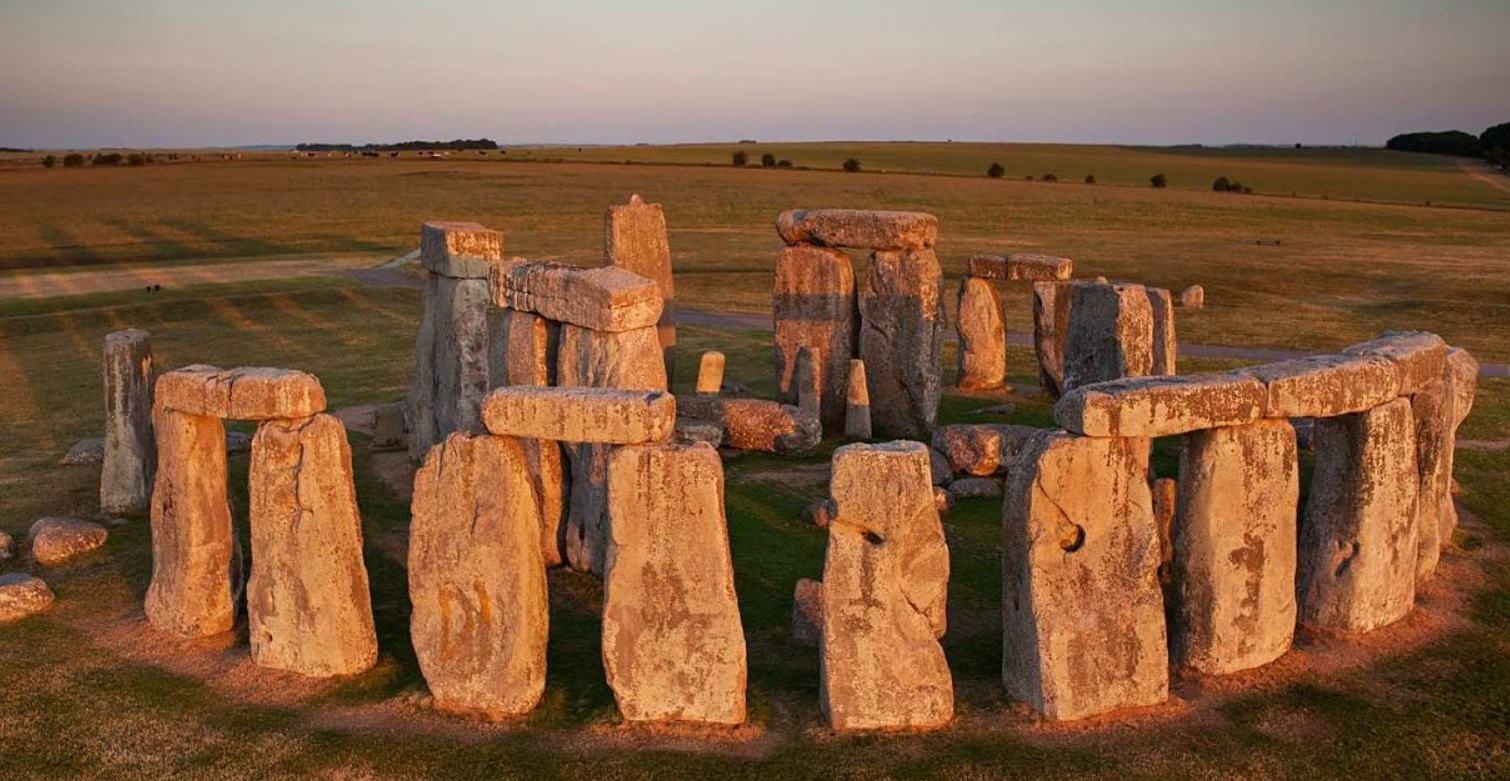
(807, 613)
(939, 465)
(710, 373)
(1234, 548)
(1431, 412)
(1358, 548)
(813, 305)
(673, 646)
(1165, 343)
(809, 385)
(459, 249)
(419, 410)
(974, 488)
(1165, 500)
(1419, 356)
(606, 298)
(7, 546)
(902, 339)
(819, 513)
(580, 414)
(461, 354)
(982, 328)
(388, 427)
(1161, 406)
(980, 449)
(1083, 616)
(550, 476)
(885, 589)
(56, 540)
(874, 230)
(194, 575)
(1111, 334)
(129, 460)
(1052, 302)
(1193, 297)
(1323, 386)
(1020, 265)
(1462, 380)
(87, 451)
(21, 596)
(476, 577)
(857, 403)
(308, 606)
(523, 349)
(757, 424)
(634, 238)
(691, 430)
(943, 501)
(247, 393)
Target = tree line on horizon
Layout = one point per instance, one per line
(1492, 145)
(460, 144)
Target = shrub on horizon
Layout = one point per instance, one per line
(1049, 178)
(768, 160)
(73, 161)
(1221, 185)
(784, 164)
(1090, 178)
(996, 171)
(851, 165)
(114, 158)
(740, 158)
(1159, 181)
(49, 161)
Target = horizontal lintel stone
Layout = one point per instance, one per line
(1161, 406)
(1020, 265)
(246, 393)
(465, 250)
(858, 228)
(606, 298)
(578, 414)
(1323, 386)
(1420, 356)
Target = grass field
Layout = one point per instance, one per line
(90, 691)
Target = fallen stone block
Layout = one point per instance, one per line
(982, 329)
(129, 457)
(1110, 336)
(22, 596)
(606, 298)
(807, 613)
(1161, 406)
(873, 230)
(901, 341)
(249, 393)
(974, 488)
(1020, 265)
(710, 373)
(56, 540)
(818, 513)
(1324, 386)
(462, 250)
(691, 430)
(1419, 356)
(87, 451)
(634, 239)
(579, 414)
(813, 305)
(757, 424)
(980, 449)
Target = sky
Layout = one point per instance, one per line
(161, 73)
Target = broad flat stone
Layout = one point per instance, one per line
(1358, 543)
(56, 540)
(22, 596)
(309, 609)
(813, 305)
(982, 329)
(1052, 302)
(1111, 334)
(757, 424)
(874, 230)
(477, 579)
(194, 575)
(634, 239)
(1165, 343)
(1324, 386)
(1083, 615)
(248, 393)
(710, 373)
(1419, 356)
(902, 340)
(129, 459)
(1020, 265)
(885, 590)
(673, 646)
(606, 298)
(580, 414)
(1161, 406)
(459, 249)
(523, 349)
(980, 449)
(857, 403)
(1234, 548)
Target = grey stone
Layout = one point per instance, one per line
(130, 456)
(901, 340)
(982, 329)
(813, 305)
(56, 540)
(22, 596)
(1111, 334)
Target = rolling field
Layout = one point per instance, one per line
(89, 690)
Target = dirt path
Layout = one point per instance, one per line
(73, 283)
(1486, 175)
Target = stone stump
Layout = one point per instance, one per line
(885, 588)
(634, 238)
(813, 304)
(901, 340)
(673, 646)
(982, 353)
(130, 454)
(856, 403)
(309, 609)
(710, 373)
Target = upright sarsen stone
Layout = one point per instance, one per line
(673, 646)
(523, 349)
(814, 306)
(1111, 334)
(901, 340)
(1234, 547)
(130, 460)
(634, 238)
(461, 353)
(309, 609)
(1083, 615)
(477, 579)
(1462, 379)
(1052, 302)
(1358, 541)
(982, 349)
(1165, 343)
(419, 412)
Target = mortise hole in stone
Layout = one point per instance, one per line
(1074, 541)
(873, 538)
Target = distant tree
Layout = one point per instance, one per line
(136, 158)
(768, 160)
(1221, 185)
(1450, 142)
(1029, 177)
(783, 164)
(996, 171)
(1159, 181)
(1497, 137)
(851, 165)
(740, 158)
(1049, 178)
(114, 158)
(1090, 178)
(49, 161)
(73, 161)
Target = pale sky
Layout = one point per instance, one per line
(141, 73)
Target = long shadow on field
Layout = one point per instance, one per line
(225, 243)
(159, 245)
(67, 250)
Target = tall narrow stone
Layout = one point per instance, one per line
(1111, 334)
(193, 589)
(1083, 614)
(673, 646)
(309, 609)
(1165, 343)
(885, 588)
(982, 355)
(1462, 379)
(710, 373)
(461, 353)
(524, 349)
(420, 409)
(130, 453)
(1052, 302)
(901, 340)
(634, 238)
(1431, 412)
(1358, 550)
(476, 578)
(856, 403)
(813, 304)
(1234, 547)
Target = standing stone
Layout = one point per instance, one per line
(982, 353)
(673, 646)
(885, 588)
(1234, 547)
(710, 373)
(309, 609)
(807, 613)
(476, 578)
(1431, 411)
(1083, 614)
(461, 353)
(130, 455)
(1110, 336)
(1165, 345)
(634, 238)
(192, 592)
(856, 403)
(420, 410)
(1165, 501)
(1052, 302)
(813, 303)
(1357, 555)
(901, 340)
(1462, 379)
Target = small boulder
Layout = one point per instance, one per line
(22, 595)
(388, 427)
(56, 540)
(938, 464)
(818, 513)
(84, 452)
(974, 488)
(1193, 297)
